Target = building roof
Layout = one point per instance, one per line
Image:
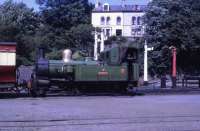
(8, 43)
(120, 8)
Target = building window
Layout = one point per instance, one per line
(108, 20)
(107, 32)
(103, 31)
(98, 47)
(136, 31)
(139, 21)
(133, 20)
(102, 20)
(119, 20)
(118, 32)
(99, 37)
(106, 7)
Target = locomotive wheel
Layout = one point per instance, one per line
(38, 87)
(76, 92)
(33, 86)
(42, 87)
(38, 92)
(131, 90)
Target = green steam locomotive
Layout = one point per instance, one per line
(116, 70)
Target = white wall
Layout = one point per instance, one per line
(7, 59)
(96, 21)
(126, 19)
(128, 22)
(126, 26)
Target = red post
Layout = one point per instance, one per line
(174, 67)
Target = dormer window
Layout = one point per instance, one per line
(106, 7)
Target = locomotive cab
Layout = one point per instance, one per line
(125, 55)
(119, 54)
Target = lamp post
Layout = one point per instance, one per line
(146, 49)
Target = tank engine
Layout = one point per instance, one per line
(116, 69)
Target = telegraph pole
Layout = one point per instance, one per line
(95, 45)
(146, 49)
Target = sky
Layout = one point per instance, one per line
(32, 4)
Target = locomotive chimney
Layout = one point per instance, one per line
(41, 53)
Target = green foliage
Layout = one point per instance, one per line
(60, 24)
(65, 24)
(81, 36)
(66, 13)
(19, 23)
(173, 23)
(115, 40)
(79, 55)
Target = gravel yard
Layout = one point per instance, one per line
(101, 113)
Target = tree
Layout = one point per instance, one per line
(81, 36)
(66, 24)
(174, 23)
(19, 23)
(65, 13)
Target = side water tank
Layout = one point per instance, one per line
(67, 54)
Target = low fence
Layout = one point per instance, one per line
(181, 82)
(188, 81)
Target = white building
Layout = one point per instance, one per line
(116, 20)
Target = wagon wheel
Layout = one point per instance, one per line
(22, 88)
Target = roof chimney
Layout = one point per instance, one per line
(123, 4)
(136, 8)
(97, 4)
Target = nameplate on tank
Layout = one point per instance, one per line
(103, 72)
(123, 71)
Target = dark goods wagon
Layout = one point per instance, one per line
(116, 70)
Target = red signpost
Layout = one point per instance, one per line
(174, 67)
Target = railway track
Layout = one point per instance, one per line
(99, 121)
(136, 91)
